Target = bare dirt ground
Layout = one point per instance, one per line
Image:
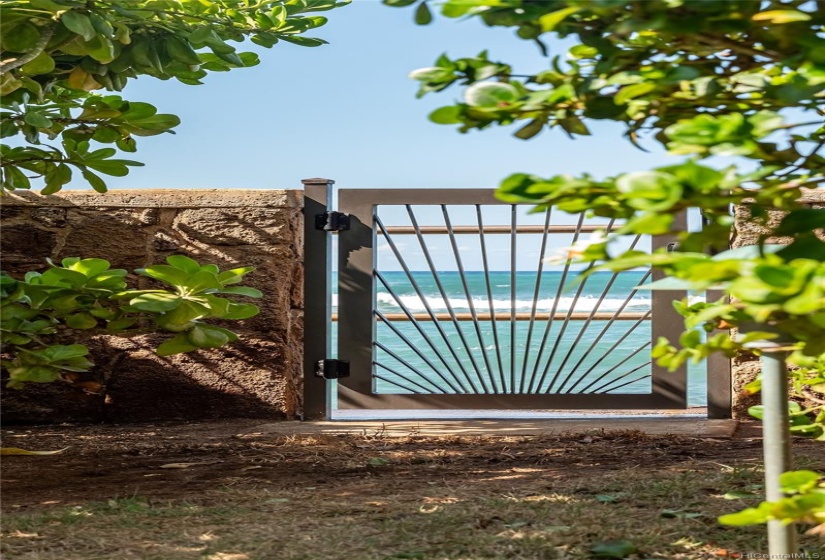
(231, 491)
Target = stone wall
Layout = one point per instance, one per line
(257, 376)
(745, 368)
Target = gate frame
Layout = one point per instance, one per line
(356, 263)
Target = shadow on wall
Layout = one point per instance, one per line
(258, 376)
(134, 384)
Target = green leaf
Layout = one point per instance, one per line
(241, 311)
(14, 179)
(633, 91)
(446, 115)
(88, 267)
(158, 302)
(616, 549)
(750, 516)
(802, 220)
(423, 16)
(170, 274)
(574, 125)
(530, 129)
(121, 324)
(56, 178)
(36, 374)
(610, 498)
(679, 514)
(95, 181)
(781, 16)
(490, 95)
(668, 283)
(242, 291)
(302, 41)
(177, 345)
(203, 336)
(79, 23)
(37, 119)
(235, 275)
(81, 321)
(793, 482)
(180, 318)
(190, 266)
(550, 21)
(41, 64)
(201, 281)
(61, 352)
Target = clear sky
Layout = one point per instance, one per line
(347, 111)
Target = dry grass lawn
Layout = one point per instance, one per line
(228, 491)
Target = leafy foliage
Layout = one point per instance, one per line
(702, 79)
(87, 295)
(57, 53)
(805, 501)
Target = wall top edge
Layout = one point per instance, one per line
(161, 198)
(813, 195)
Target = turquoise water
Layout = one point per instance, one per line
(525, 356)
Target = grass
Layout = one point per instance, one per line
(670, 515)
(448, 499)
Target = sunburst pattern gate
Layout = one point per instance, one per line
(449, 299)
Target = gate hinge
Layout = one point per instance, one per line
(332, 221)
(332, 369)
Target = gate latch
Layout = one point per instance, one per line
(332, 369)
(332, 221)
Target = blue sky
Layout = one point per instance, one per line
(347, 111)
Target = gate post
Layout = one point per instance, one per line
(317, 297)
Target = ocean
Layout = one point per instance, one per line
(579, 350)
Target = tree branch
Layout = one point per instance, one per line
(13, 63)
(738, 47)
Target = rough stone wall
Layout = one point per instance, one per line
(257, 376)
(745, 368)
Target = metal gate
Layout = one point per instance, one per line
(450, 300)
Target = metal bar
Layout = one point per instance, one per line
(410, 367)
(350, 399)
(317, 298)
(503, 315)
(446, 299)
(423, 299)
(548, 327)
(718, 374)
(584, 327)
(618, 315)
(415, 318)
(415, 349)
(497, 229)
(626, 383)
(389, 369)
(606, 387)
(536, 292)
(566, 322)
(606, 353)
(513, 265)
(666, 322)
(356, 292)
(466, 287)
(428, 196)
(776, 441)
(563, 330)
(493, 316)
